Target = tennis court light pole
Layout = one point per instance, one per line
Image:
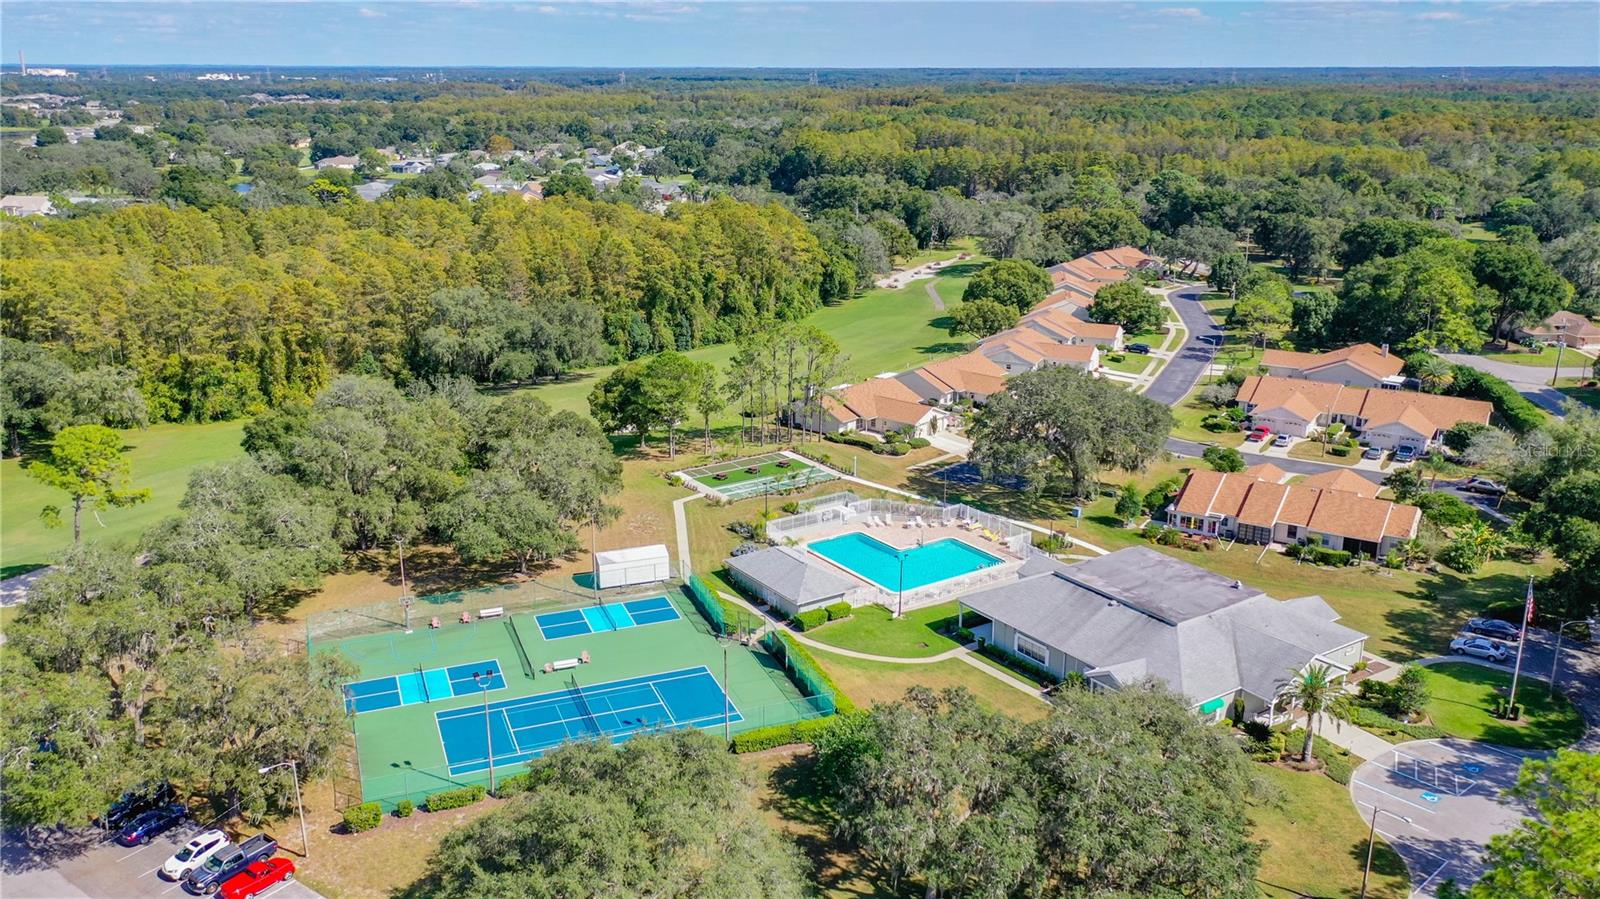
(294, 773)
(482, 680)
(726, 714)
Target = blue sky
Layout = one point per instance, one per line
(805, 33)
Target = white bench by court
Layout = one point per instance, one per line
(496, 612)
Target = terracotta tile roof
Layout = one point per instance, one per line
(1065, 324)
(1266, 471)
(1295, 403)
(1035, 347)
(969, 373)
(1120, 257)
(1363, 356)
(1565, 322)
(1345, 480)
(1374, 406)
(1325, 509)
(883, 398)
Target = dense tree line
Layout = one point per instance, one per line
(223, 313)
(1120, 793)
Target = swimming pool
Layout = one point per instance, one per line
(879, 562)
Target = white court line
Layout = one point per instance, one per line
(1397, 797)
(1424, 885)
(1411, 823)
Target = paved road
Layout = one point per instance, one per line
(1578, 675)
(1530, 381)
(1190, 360)
(1293, 466)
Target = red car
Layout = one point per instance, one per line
(1258, 434)
(257, 877)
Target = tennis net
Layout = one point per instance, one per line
(583, 706)
(522, 652)
(423, 680)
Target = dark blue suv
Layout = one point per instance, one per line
(146, 826)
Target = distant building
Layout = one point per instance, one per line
(338, 162)
(1564, 326)
(1358, 365)
(372, 190)
(970, 377)
(26, 205)
(876, 405)
(1385, 419)
(1250, 509)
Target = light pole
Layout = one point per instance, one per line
(294, 772)
(1372, 831)
(727, 713)
(1561, 344)
(1557, 660)
(483, 679)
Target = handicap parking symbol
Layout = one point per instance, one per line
(1472, 769)
(1429, 796)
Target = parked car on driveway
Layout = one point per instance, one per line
(146, 826)
(1484, 486)
(1282, 440)
(1142, 349)
(210, 877)
(1258, 434)
(1504, 631)
(1372, 452)
(1405, 453)
(256, 877)
(1482, 647)
(194, 854)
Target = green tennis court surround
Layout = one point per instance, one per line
(666, 670)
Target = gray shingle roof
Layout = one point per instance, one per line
(790, 573)
(1189, 635)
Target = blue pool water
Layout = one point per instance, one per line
(879, 562)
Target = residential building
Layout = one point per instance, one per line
(26, 204)
(338, 162)
(1253, 510)
(411, 166)
(1564, 326)
(971, 377)
(1382, 418)
(1358, 365)
(1062, 326)
(1338, 479)
(1138, 614)
(877, 405)
(1023, 349)
(793, 581)
(1081, 277)
(372, 190)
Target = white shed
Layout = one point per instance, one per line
(632, 565)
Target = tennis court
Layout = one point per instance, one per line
(523, 728)
(612, 616)
(422, 685)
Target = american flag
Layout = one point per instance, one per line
(1527, 617)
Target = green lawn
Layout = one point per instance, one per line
(1578, 390)
(1130, 363)
(874, 629)
(936, 254)
(1545, 357)
(161, 456)
(881, 330)
(1316, 843)
(1463, 695)
(1190, 413)
(1313, 451)
(869, 683)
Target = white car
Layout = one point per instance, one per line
(1482, 647)
(194, 854)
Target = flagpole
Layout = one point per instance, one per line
(1527, 613)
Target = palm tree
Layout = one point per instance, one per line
(1314, 690)
(1436, 373)
(1434, 464)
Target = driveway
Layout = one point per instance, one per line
(61, 864)
(1530, 381)
(1192, 449)
(1190, 360)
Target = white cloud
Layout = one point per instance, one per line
(1193, 13)
(1439, 16)
(367, 13)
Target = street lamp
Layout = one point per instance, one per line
(483, 679)
(294, 772)
(1372, 830)
(1591, 622)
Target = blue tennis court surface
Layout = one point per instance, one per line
(613, 616)
(523, 728)
(421, 686)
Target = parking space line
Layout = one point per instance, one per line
(282, 884)
(1397, 797)
(1424, 885)
(1411, 823)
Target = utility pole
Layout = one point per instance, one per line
(1561, 344)
(1516, 673)
(294, 772)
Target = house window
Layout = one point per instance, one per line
(1029, 648)
(1294, 531)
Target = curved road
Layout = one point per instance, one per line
(1532, 382)
(1191, 359)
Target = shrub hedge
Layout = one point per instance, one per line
(810, 620)
(919, 442)
(838, 610)
(449, 799)
(1519, 414)
(361, 817)
(779, 735)
(513, 785)
(849, 439)
(404, 808)
(1372, 719)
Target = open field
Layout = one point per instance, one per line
(161, 456)
(1463, 695)
(869, 683)
(1316, 843)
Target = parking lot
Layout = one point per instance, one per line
(1438, 803)
(76, 864)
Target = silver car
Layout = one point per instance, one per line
(1481, 647)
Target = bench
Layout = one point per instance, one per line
(495, 612)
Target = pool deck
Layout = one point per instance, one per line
(899, 536)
